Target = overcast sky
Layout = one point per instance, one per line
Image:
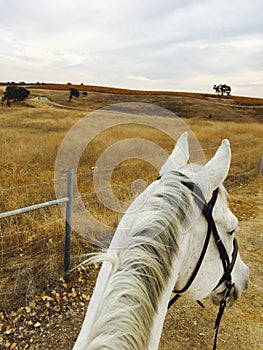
(181, 45)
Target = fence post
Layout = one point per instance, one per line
(70, 175)
(261, 166)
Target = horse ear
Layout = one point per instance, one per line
(216, 169)
(179, 156)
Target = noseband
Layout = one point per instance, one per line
(207, 211)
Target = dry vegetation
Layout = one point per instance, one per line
(31, 255)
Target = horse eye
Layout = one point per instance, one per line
(236, 229)
(233, 231)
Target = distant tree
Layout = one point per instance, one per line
(226, 89)
(15, 93)
(222, 89)
(73, 92)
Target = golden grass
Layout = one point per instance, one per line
(31, 132)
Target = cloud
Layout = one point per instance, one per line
(165, 45)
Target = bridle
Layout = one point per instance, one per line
(207, 211)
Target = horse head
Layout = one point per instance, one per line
(208, 179)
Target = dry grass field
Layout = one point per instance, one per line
(34, 301)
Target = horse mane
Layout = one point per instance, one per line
(140, 269)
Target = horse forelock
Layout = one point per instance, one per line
(141, 269)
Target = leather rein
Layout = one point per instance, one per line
(207, 211)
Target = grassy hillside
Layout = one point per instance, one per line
(31, 133)
(184, 104)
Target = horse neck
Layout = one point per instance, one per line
(155, 331)
(90, 317)
(163, 305)
(143, 316)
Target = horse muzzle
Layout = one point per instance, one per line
(240, 284)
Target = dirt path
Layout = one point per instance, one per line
(46, 100)
(53, 319)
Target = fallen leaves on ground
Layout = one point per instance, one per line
(25, 327)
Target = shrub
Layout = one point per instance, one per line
(15, 93)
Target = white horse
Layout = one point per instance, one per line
(157, 248)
